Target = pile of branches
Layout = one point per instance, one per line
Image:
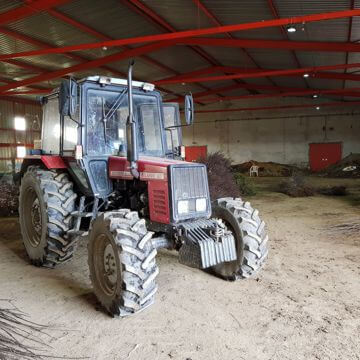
(221, 178)
(296, 186)
(9, 199)
(19, 337)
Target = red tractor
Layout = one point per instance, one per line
(110, 170)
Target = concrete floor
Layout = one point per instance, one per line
(303, 305)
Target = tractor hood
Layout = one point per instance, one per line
(150, 168)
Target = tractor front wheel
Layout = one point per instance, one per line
(122, 262)
(250, 238)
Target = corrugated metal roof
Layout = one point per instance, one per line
(7, 5)
(116, 20)
(110, 17)
(180, 14)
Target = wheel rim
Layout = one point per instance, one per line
(33, 221)
(105, 264)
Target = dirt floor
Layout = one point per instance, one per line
(303, 305)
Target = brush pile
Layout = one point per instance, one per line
(296, 186)
(339, 190)
(221, 178)
(19, 337)
(9, 198)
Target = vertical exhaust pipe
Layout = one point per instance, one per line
(131, 135)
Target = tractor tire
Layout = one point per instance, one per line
(122, 262)
(45, 205)
(250, 238)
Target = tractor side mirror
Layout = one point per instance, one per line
(68, 97)
(189, 109)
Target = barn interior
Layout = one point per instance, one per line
(276, 122)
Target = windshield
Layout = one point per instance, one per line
(107, 113)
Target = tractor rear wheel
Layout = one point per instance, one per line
(250, 238)
(45, 206)
(122, 262)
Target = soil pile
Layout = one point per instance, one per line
(267, 168)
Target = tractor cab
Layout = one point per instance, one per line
(85, 123)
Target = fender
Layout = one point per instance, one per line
(49, 161)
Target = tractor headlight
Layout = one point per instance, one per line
(183, 206)
(200, 205)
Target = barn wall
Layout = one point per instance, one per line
(9, 138)
(280, 136)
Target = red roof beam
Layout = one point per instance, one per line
(282, 29)
(93, 32)
(275, 44)
(216, 21)
(299, 106)
(353, 92)
(156, 19)
(28, 9)
(259, 74)
(190, 33)
(85, 66)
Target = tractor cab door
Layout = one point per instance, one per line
(172, 124)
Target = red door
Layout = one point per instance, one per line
(322, 155)
(193, 153)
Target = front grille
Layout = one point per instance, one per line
(189, 182)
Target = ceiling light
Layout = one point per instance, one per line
(291, 29)
(315, 96)
(318, 108)
(306, 75)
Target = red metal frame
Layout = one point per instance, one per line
(189, 33)
(275, 13)
(216, 21)
(161, 23)
(274, 44)
(353, 92)
(298, 106)
(88, 65)
(235, 70)
(28, 9)
(352, 5)
(89, 30)
(259, 74)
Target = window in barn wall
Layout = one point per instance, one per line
(20, 151)
(20, 123)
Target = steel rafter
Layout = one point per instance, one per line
(99, 35)
(88, 65)
(298, 106)
(352, 5)
(352, 92)
(161, 23)
(258, 74)
(284, 33)
(275, 44)
(216, 21)
(28, 9)
(280, 91)
(175, 36)
(87, 29)
(235, 70)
